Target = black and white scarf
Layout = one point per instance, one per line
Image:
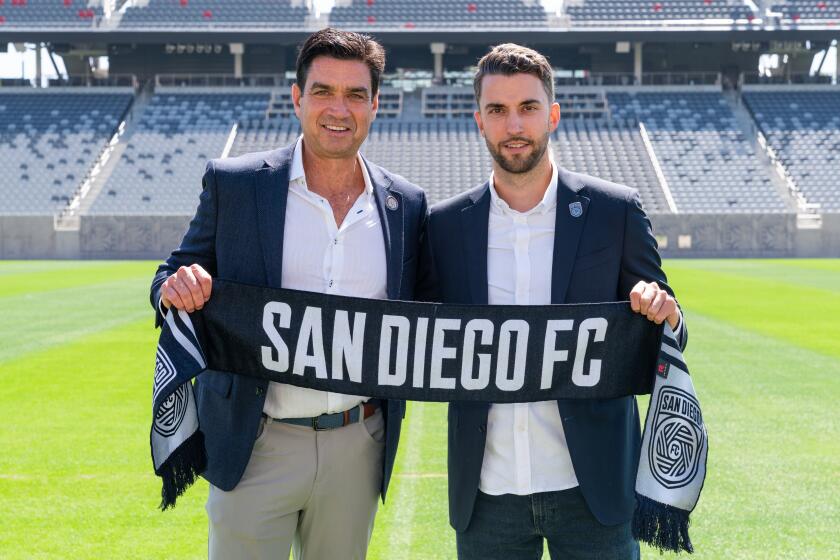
(433, 352)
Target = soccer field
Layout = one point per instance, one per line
(76, 362)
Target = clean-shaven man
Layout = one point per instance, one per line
(291, 467)
(534, 234)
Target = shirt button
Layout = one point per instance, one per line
(331, 283)
(482, 428)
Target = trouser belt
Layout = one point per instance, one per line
(335, 420)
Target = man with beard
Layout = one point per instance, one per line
(535, 234)
(289, 465)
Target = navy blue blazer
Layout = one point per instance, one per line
(598, 257)
(237, 235)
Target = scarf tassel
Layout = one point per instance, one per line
(182, 468)
(662, 526)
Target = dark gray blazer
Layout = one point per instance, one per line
(598, 257)
(237, 235)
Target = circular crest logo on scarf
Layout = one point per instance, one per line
(678, 438)
(171, 412)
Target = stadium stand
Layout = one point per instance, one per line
(438, 14)
(705, 157)
(610, 150)
(703, 12)
(49, 13)
(177, 132)
(49, 141)
(803, 128)
(801, 11)
(214, 13)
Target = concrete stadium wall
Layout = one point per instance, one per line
(130, 237)
(746, 235)
(154, 237)
(734, 235)
(27, 237)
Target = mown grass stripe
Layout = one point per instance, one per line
(39, 279)
(36, 322)
(800, 315)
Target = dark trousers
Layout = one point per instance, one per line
(512, 527)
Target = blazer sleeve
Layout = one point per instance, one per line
(640, 257)
(199, 243)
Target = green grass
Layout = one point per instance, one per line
(76, 347)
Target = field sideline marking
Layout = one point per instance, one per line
(402, 539)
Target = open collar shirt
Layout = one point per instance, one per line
(321, 256)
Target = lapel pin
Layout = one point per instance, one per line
(391, 202)
(576, 209)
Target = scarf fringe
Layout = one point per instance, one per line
(662, 526)
(182, 468)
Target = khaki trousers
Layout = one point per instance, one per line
(312, 491)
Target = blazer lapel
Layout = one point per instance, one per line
(391, 209)
(271, 184)
(475, 219)
(571, 217)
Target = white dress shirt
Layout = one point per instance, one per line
(525, 451)
(319, 256)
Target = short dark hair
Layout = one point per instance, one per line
(343, 45)
(509, 59)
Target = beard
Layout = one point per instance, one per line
(519, 163)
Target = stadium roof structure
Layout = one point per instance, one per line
(420, 36)
(482, 21)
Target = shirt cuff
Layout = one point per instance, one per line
(678, 328)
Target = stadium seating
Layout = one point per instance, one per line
(260, 135)
(215, 13)
(161, 168)
(708, 163)
(611, 150)
(803, 128)
(49, 141)
(797, 11)
(461, 161)
(48, 13)
(438, 14)
(601, 12)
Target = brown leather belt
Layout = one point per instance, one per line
(334, 420)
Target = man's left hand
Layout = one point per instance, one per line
(648, 299)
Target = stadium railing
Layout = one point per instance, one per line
(112, 80)
(629, 79)
(755, 78)
(221, 80)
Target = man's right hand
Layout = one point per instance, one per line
(187, 289)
